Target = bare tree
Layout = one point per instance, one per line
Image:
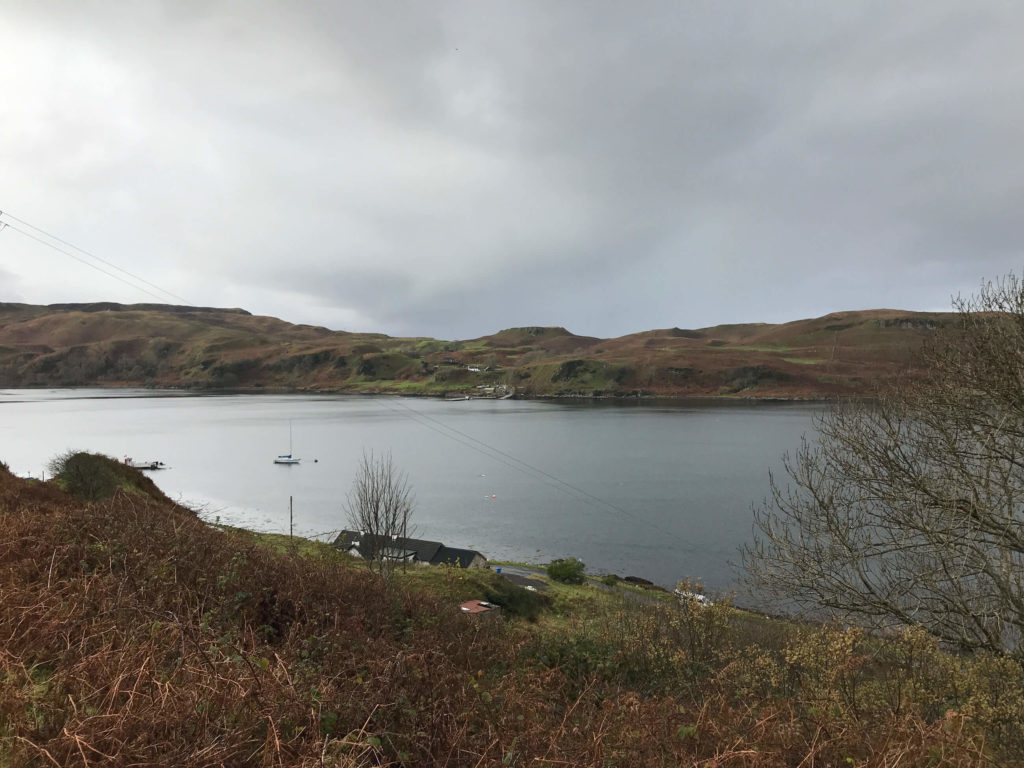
(909, 509)
(379, 505)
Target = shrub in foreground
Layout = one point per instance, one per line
(86, 475)
(93, 476)
(568, 570)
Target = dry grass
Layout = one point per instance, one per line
(133, 634)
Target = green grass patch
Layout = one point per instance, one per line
(756, 347)
(411, 387)
(804, 360)
(294, 545)
(430, 346)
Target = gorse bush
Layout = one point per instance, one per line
(93, 476)
(567, 570)
(89, 476)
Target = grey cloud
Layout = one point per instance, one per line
(374, 293)
(448, 169)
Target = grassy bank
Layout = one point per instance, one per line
(132, 633)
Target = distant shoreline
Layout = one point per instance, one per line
(432, 395)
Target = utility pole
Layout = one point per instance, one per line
(291, 518)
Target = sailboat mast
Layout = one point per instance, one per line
(287, 458)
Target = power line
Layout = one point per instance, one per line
(528, 469)
(90, 255)
(83, 261)
(494, 455)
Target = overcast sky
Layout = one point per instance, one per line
(449, 169)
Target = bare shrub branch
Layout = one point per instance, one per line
(379, 505)
(910, 509)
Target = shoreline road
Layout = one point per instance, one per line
(537, 578)
(524, 577)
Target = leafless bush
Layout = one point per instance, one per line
(379, 505)
(910, 509)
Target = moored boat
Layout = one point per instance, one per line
(135, 463)
(288, 458)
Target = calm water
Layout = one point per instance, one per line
(662, 491)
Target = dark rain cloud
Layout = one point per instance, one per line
(449, 169)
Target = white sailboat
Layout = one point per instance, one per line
(287, 458)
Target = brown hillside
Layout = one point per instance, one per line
(555, 340)
(170, 346)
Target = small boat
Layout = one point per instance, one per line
(287, 458)
(136, 464)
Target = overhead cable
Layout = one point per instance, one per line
(528, 469)
(83, 261)
(90, 255)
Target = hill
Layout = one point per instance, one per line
(133, 633)
(154, 345)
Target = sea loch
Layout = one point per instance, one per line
(658, 489)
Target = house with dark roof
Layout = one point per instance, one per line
(370, 547)
(460, 558)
